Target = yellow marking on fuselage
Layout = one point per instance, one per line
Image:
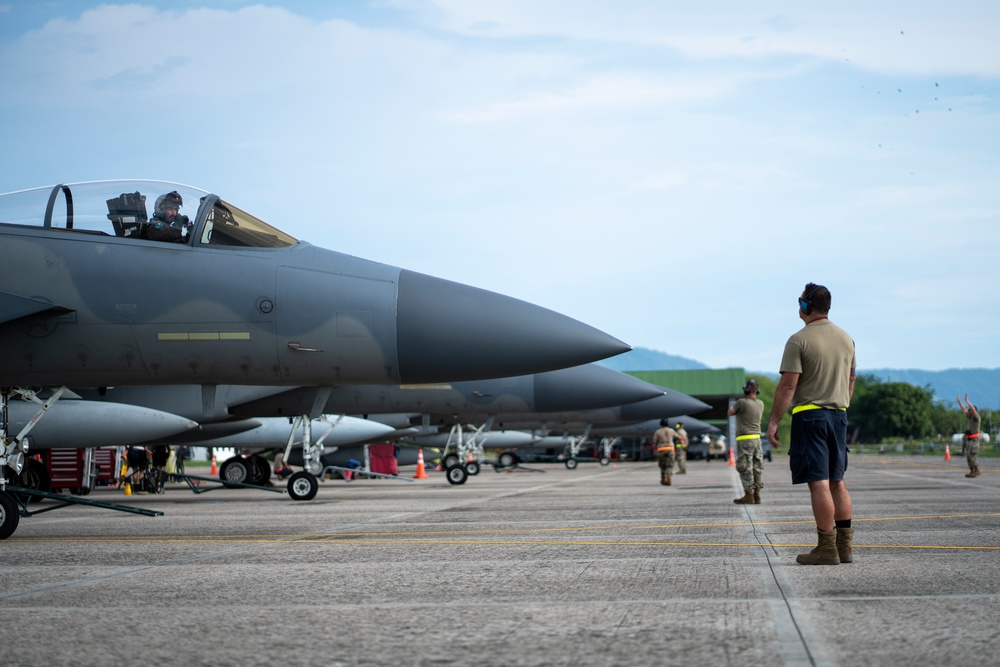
(202, 335)
(440, 387)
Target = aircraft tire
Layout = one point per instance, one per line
(34, 476)
(303, 485)
(472, 467)
(507, 460)
(260, 470)
(10, 516)
(450, 460)
(571, 464)
(236, 469)
(456, 474)
(604, 461)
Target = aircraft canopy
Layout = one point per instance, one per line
(143, 210)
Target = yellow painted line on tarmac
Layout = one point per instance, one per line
(526, 543)
(376, 535)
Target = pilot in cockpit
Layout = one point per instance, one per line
(167, 224)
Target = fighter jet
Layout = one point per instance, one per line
(578, 424)
(427, 406)
(694, 427)
(572, 437)
(89, 299)
(668, 404)
(101, 290)
(274, 433)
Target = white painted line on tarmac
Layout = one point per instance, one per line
(798, 643)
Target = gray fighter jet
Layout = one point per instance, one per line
(577, 424)
(426, 406)
(694, 427)
(89, 299)
(568, 443)
(100, 289)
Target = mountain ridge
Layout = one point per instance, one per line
(982, 384)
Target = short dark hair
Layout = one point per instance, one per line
(664, 422)
(819, 297)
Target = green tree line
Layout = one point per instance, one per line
(885, 411)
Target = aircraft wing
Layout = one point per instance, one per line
(14, 307)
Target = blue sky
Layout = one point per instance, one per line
(672, 173)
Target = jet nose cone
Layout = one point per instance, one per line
(589, 387)
(449, 331)
(671, 404)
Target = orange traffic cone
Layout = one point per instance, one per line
(421, 473)
(215, 469)
(947, 452)
(732, 457)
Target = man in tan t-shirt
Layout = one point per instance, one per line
(817, 382)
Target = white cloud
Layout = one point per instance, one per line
(628, 164)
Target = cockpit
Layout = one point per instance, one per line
(142, 210)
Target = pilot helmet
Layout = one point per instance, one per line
(171, 199)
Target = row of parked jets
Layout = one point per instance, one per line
(228, 331)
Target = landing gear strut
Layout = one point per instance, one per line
(12, 454)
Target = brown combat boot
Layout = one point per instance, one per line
(973, 473)
(668, 480)
(747, 499)
(845, 537)
(756, 496)
(825, 552)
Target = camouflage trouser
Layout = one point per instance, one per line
(666, 460)
(750, 463)
(681, 457)
(972, 453)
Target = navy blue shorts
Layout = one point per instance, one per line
(818, 450)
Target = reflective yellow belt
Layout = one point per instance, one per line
(811, 406)
(748, 437)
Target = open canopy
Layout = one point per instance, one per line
(143, 210)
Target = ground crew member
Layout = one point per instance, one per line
(817, 382)
(663, 445)
(749, 454)
(971, 436)
(681, 448)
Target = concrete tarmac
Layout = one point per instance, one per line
(596, 566)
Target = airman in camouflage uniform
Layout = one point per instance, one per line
(680, 448)
(663, 445)
(749, 454)
(972, 436)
